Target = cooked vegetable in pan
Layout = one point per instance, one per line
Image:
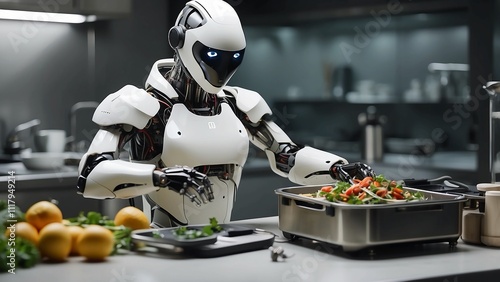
(377, 190)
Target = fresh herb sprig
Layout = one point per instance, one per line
(187, 232)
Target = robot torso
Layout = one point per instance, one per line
(216, 145)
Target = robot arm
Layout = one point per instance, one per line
(103, 175)
(301, 164)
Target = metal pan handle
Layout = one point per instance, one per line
(329, 210)
(309, 205)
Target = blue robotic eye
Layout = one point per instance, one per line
(236, 55)
(211, 54)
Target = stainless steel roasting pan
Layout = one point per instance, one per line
(355, 227)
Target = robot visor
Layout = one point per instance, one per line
(217, 65)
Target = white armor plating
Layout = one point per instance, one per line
(202, 141)
(129, 105)
(309, 163)
(250, 102)
(157, 81)
(104, 179)
(194, 140)
(222, 30)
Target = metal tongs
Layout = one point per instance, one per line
(445, 184)
(440, 184)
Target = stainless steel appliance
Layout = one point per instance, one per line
(355, 227)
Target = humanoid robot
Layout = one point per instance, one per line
(189, 132)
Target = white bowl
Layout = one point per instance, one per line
(43, 161)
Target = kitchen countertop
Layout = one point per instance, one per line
(309, 261)
(59, 177)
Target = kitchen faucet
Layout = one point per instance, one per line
(14, 145)
(74, 109)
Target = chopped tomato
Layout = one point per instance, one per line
(381, 192)
(353, 189)
(356, 190)
(397, 196)
(327, 189)
(349, 191)
(397, 190)
(376, 183)
(366, 181)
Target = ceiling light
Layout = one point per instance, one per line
(44, 17)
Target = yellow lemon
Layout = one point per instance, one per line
(55, 241)
(43, 213)
(23, 230)
(132, 218)
(95, 243)
(75, 232)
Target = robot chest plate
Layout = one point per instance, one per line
(194, 140)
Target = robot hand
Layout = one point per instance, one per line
(347, 172)
(185, 181)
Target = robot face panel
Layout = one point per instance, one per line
(217, 65)
(213, 42)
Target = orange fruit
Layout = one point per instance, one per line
(95, 242)
(132, 218)
(23, 230)
(43, 213)
(75, 232)
(55, 241)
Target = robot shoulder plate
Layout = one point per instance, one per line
(158, 81)
(250, 102)
(129, 105)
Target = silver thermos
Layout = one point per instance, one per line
(373, 135)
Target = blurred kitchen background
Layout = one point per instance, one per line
(403, 77)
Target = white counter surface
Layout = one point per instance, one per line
(309, 262)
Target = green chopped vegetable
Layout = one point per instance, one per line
(25, 254)
(91, 218)
(7, 216)
(186, 232)
(18, 252)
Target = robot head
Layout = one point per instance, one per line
(209, 41)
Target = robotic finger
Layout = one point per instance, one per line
(201, 185)
(348, 172)
(209, 192)
(193, 198)
(185, 181)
